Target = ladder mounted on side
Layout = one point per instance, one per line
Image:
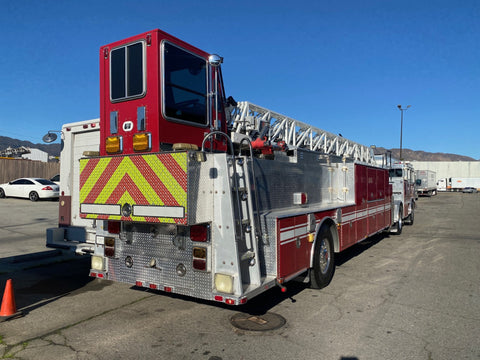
(252, 121)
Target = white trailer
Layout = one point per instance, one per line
(426, 183)
(458, 183)
(73, 232)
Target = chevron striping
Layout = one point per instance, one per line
(181, 160)
(91, 180)
(158, 182)
(178, 192)
(155, 180)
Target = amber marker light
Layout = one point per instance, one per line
(113, 144)
(141, 142)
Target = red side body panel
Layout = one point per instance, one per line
(370, 214)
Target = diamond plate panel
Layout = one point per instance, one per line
(161, 243)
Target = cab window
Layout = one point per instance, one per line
(395, 173)
(184, 85)
(127, 75)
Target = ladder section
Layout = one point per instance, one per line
(252, 121)
(247, 237)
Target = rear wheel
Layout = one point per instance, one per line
(33, 196)
(323, 260)
(2, 193)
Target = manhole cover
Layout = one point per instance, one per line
(265, 322)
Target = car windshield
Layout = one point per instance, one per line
(45, 182)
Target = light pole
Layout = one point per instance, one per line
(401, 127)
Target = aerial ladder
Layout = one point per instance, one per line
(255, 122)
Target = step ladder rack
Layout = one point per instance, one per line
(252, 121)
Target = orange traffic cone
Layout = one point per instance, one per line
(8, 308)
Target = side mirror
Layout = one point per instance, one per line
(50, 137)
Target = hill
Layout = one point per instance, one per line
(51, 149)
(419, 155)
(407, 154)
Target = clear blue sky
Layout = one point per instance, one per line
(342, 66)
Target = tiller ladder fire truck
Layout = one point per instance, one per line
(195, 194)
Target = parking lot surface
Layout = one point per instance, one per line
(413, 296)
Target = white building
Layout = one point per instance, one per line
(36, 154)
(448, 169)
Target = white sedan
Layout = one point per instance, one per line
(30, 188)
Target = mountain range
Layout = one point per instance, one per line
(407, 154)
(51, 149)
(419, 155)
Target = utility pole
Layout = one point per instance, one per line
(401, 127)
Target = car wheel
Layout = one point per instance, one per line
(2, 193)
(33, 196)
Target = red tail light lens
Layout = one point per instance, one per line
(109, 249)
(200, 264)
(47, 188)
(199, 232)
(114, 227)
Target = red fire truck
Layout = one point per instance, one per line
(196, 194)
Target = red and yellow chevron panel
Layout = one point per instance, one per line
(142, 188)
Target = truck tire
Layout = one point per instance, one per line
(399, 224)
(411, 217)
(323, 260)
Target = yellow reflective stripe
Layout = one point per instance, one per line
(128, 167)
(92, 179)
(181, 159)
(168, 180)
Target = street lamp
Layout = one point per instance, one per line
(401, 127)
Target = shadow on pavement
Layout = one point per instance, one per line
(40, 283)
(267, 300)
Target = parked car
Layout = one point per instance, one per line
(56, 179)
(469, 189)
(30, 188)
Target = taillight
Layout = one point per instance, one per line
(200, 258)
(300, 198)
(47, 188)
(109, 247)
(200, 264)
(199, 253)
(199, 232)
(114, 227)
